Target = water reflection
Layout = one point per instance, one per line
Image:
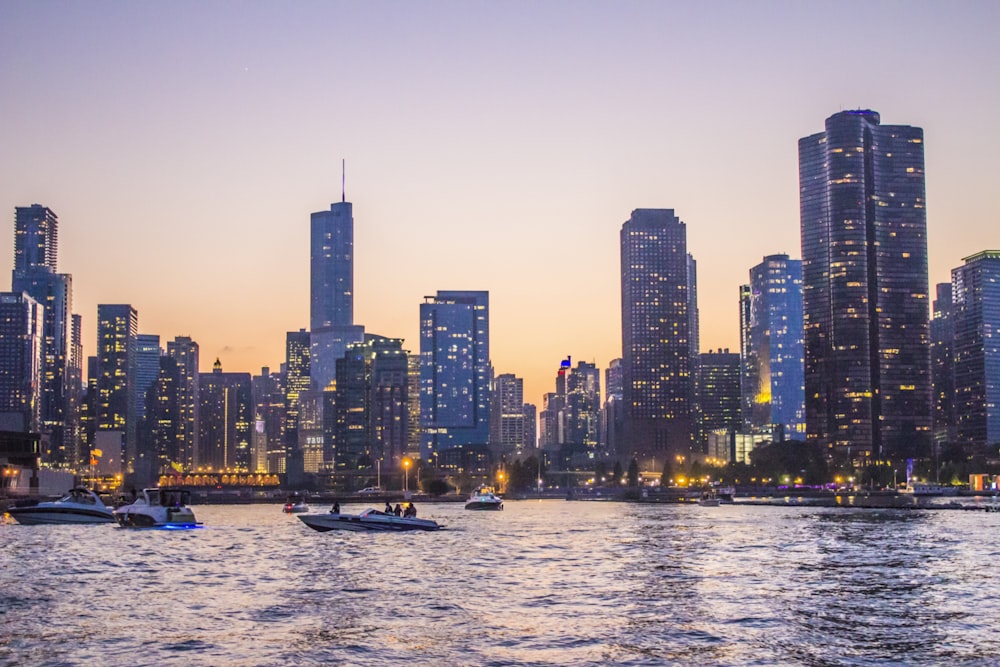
(547, 582)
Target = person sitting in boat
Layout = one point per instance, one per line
(411, 511)
(335, 509)
(398, 510)
(388, 508)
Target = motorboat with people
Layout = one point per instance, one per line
(369, 520)
(78, 505)
(484, 498)
(295, 505)
(162, 507)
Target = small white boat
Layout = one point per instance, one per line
(158, 508)
(369, 520)
(78, 505)
(484, 498)
(928, 489)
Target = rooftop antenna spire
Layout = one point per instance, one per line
(343, 180)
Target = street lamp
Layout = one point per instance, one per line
(406, 475)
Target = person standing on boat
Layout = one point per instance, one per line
(398, 511)
(388, 507)
(336, 508)
(411, 511)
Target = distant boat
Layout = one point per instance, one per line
(295, 505)
(78, 505)
(927, 489)
(484, 498)
(164, 507)
(369, 520)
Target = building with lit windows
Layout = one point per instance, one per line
(226, 420)
(370, 406)
(719, 392)
(21, 344)
(117, 330)
(36, 250)
(657, 349)
(455, 377)
(943, 366)
(185, 352)
(976, 311)
(865, 288)
(773, 384)
(331, 314)
(507, 440)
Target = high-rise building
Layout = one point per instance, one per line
(269, 426)
(454, 372)
(976, 304)
(296, 381)
(331, 318)
(613, 412)
(117, 329)
(773, 384)
(21, 344)
(162, 425)
(943, 366)
(719, 392)
(185, 352)
(147, 369)
(864, 287)
(370, 405)
(656, 338)
(507, 441)
(225, 420)
(36, 245)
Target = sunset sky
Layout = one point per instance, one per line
(489, 145)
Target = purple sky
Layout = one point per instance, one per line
(495, 146)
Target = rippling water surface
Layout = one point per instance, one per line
(541, 583)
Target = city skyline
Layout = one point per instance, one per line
(487, 148)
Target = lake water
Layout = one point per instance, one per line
(541, 583)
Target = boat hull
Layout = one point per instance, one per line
(36, 516)
(174, 519)
(483, 505)
(358, 523)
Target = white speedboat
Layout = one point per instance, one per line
(484, 498)
(158, 508)
(370, 519)
(927, 489)
(79, 505)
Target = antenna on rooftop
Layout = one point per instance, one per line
(343, 180)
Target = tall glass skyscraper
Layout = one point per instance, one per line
(331, 315)
(864, 286)
(773, 384)
(36, 250)
(21, 343)
(656, 338)
(185, 352)
(976, 312)
(454, 371)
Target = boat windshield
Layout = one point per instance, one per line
(78, 496)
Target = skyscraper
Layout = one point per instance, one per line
(773, 385)
(21, 343)
(454, 371)
(656, 337)
(225, 419)
(976, 308)
(864, 287)
(508, 437)
(185, 352)
(36, 246)
(117, 328)
(719, 392)
(331, 315)
(943, 365)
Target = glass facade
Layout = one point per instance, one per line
(864, 286)
(976, 303)
(454, 371)
(773, 384)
